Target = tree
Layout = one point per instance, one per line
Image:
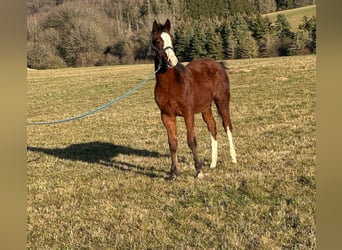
(266, 6)
(37, 6)
(246, 46)
(257, 25)
(285, 4)
(301, 3)
(182, 42)
(205, 9)
(266, 39)
(228, 39)
(282, 29)
(214, 46)
(197, 45)
(305, 37)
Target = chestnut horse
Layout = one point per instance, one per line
(186, 90)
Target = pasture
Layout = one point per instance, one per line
(100, 182)
(294, 16)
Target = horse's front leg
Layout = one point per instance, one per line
(192, 143)
(170, 125)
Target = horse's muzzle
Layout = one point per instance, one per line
(172, 60)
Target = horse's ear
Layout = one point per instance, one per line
(154, 26)
(167, 25)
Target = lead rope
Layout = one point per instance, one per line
(101, 107)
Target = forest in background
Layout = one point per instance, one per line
(78, 33)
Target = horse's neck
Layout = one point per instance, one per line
(165, 77)
(160, 66)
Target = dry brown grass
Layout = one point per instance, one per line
(100, 183)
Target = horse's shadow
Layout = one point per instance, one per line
(105, 154)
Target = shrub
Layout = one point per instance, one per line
(43, 56)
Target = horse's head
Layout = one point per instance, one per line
(162, 42)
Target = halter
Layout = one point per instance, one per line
(160, 51)
(168, 47)
(155, 48)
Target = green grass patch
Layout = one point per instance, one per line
(294, 16)
(99, 182)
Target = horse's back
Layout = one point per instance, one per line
(206, 69)
(209, 74)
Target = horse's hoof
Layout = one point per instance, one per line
(212, 165)
(234, 161)
(172, 177)
(199, 175)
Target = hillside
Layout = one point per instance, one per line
(77, 33)
(294, 16)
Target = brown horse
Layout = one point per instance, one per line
(186, 90)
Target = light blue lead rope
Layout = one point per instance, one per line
(101, 107)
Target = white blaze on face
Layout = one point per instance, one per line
(169, 52)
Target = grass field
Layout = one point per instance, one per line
(99, 182)
(295, 16)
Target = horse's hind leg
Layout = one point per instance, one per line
(231, 145)
(223, 108)
(209, 120)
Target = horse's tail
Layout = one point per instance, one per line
(224, 65)
(225, 68)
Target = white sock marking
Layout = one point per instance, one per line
(200, 175)
(170, 53)
(213, 152)
(231, 146)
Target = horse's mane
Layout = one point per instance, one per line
(180, 66)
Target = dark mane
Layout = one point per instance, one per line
(180, 66)
(224, 65)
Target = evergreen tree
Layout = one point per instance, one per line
(258, 26)
(267, 42)
(283, 27)
(197, 48)
(214, 46)
(284, 33)
(247, 47)
(182, 43)
(228, 39)
(305, 37)
(285, 4)
(246, 44)
(241, 7)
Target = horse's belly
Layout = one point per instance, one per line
(202, 101)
